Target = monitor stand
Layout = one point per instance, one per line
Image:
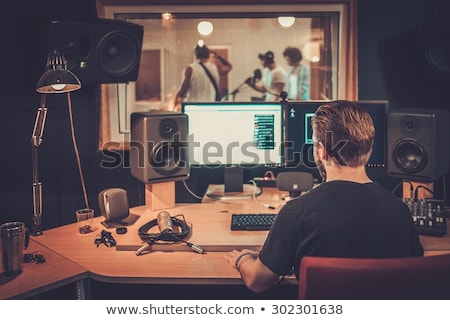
(233, 188)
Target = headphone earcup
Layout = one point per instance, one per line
(173, 237)
(185, 230)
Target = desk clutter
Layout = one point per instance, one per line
(428, 216)
(171, 229)
(207, 227)
(114, 207)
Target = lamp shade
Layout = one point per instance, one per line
(57, 78)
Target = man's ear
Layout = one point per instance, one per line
(323, 154)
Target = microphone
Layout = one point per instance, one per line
(257, 75)
(165, 223)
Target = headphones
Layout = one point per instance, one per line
(150, 238)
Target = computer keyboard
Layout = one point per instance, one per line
(252, 221)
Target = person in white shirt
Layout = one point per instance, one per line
(196, 85)
(273, 79)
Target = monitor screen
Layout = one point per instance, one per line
(229, 133)
(298, 133)
(298, 148)
(235, 135)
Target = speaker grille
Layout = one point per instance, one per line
(165, 157)
(117, 52)
(409, 156)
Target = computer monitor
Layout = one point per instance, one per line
(298, 147)
(235, 136)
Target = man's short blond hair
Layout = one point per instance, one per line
(346, 130)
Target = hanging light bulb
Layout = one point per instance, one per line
(286, 21)
(166, 16)
(205, 28)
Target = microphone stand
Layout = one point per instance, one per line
(236, 91)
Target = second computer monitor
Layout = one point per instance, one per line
(298, 147)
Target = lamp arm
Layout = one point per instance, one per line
(36, 140)
(39, 124)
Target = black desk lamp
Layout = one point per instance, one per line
(56, 79)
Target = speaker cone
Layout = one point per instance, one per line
(409, 156)
(118, 53)
(166, 157)
(437, 46)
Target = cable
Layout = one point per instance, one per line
(194, 247)
(396, 187)
(151, 238)
(190, 191)
(77, 154)
(269, 175)
(411, 188)
(416, 191)
(255, 187)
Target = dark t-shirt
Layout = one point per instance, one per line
(340, 219)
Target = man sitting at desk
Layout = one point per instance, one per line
(346, 216)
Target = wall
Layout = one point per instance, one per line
(23, 63)
(391, 58)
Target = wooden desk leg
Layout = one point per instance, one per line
(83, 289)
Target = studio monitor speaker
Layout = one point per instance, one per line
(418, 144)
(159, 146)
(100, 51)
(415, 65)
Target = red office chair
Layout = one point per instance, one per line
(400, 278)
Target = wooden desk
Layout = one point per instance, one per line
(176, 263)
(120, 264)
(210, 228)
(38, 278)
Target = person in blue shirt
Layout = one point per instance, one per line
(298, 78)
